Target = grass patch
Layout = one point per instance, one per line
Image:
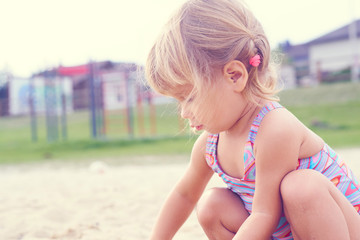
(170, 138)
(95, 149)
(327, 94)
(338, 124)
(332, 111)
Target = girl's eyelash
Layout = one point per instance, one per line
(190, 99)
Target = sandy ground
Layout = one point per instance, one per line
(94, 200)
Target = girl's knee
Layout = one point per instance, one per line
(219, 205)
(300, 186)
(208, 206)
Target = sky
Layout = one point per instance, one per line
(40, 34)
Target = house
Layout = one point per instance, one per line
(101, 85)
(90, 81)
(38, 94)
(328, 58)
(82, 76)
(19, 96)
(297, 58)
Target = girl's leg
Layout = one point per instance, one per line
(316, 209)
(221, 213)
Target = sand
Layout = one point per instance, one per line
(95, 200)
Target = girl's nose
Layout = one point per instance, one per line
(185, 113)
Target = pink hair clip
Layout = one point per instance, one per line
(255, 60)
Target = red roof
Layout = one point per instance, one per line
(72, 71)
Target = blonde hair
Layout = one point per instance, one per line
(198, 41)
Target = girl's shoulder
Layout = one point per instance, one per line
(278, 142)
(280, 125)
(279, 118)
(281, 130)
(199, 147)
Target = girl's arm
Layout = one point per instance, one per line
(185, 195)
(277, 149)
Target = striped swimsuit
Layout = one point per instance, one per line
(326, 162)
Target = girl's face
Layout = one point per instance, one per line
(215, 111)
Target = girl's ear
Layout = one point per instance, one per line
(236, 73)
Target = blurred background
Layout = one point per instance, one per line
(72, 86)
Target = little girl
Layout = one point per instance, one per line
(283, 181)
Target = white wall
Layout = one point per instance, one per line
(333, 56)
(20, 91)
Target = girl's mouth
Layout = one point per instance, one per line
(199, 127)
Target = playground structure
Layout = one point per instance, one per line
(115, 95)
